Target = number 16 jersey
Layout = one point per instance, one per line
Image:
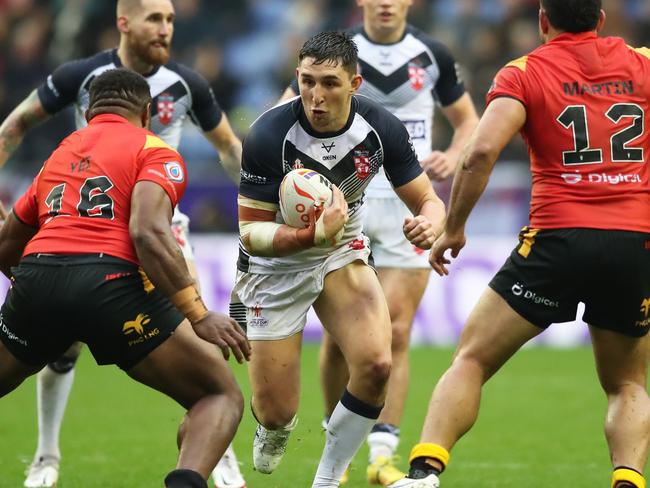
(587, 103)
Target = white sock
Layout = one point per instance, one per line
(381, 442)
(52, 391)
(348, 426)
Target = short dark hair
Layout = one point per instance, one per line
(573, 15)
(331, 46)
(117, 90)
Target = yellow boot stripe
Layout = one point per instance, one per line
(433, 451)
(629, 475)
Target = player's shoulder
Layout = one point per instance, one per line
(437, 48)
(377, 116)
(281, 116)
(520, 63)
(185, 72)
(149, 140)
(85, 66)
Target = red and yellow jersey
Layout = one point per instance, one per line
(587, 103)
(81, 199)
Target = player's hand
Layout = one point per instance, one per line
(438, 166)
(223, 331)
(419, 231)
(331, 220)
(452, 242)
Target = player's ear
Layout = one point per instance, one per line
(122, 24)
(601, 20)
(145, 117)
(356, 82)
(544, 23)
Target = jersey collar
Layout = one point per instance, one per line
(304, 122)
(407, 30)
(107, 118)
(118, 64)
(580, 36)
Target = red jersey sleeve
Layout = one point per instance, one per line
(509, 82)
(161, 164)
(26, 208)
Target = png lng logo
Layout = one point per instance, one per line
(644, 309)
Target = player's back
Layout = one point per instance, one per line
(586, 104)
(82, 196)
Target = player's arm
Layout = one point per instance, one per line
(502, 119)
(427, 208)
(229, 146)
(14, 236)
(163, 262)
(262, 236)
(28, 114)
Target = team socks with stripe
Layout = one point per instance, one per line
(348, 426)
(624, 477)
(421, 458)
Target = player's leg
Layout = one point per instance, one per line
(492, 334)
(333, 373)
(353, 310)
(274, 373)
(226, 473)
(53, 386)
(13, 371)
(622, 365)
(193, 372)
(403, 289)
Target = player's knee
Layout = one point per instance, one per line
(376, 371)
(401, 337)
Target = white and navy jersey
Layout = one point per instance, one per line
(408, 78)
(177, 92)
(282, 140)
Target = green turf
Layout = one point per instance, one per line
(540, 426)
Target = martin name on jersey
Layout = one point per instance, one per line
(281, 139)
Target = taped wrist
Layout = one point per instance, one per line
(259, 236)
(189, 303)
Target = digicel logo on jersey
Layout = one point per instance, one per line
(600, 178)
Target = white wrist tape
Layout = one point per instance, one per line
(260, 236)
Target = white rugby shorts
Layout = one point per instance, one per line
(275, 306)
(181, 231)
(383, 223)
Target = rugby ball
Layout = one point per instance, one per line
(300, 190)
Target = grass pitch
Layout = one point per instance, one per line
(540, 425)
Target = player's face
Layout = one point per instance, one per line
(385, 15)
(151, 28)
(326, 90)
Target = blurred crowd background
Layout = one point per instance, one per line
(247, 51)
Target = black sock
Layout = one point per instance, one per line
(421, 469)
(185, 478)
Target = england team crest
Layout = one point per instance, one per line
(165, 108)
(362, 164)
(417, 75)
